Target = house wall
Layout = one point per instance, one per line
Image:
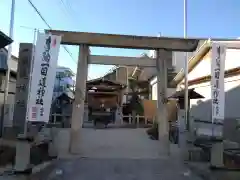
(170, 58)
(121, 75)
(178, 58)
(12, 81)
(11, 90)
(154, 94)
(8, 118)
(201, 109)
(13, 63)
(3, 61)
(204, 67)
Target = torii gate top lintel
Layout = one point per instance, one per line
(126, 41)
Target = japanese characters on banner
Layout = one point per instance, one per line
(217, 81)
(43, 77)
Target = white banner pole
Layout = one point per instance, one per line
(217, 82)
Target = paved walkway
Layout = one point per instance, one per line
(118, 143)
(116, 169)
(117, 154)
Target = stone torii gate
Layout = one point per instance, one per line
(162, 45)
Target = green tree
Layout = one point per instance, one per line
(137, 88)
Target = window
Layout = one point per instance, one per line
(3, 61)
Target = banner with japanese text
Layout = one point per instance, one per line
(43, 77)
(217, 81)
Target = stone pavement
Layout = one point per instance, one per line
(118, 143)
(115, 169)
(117, 154)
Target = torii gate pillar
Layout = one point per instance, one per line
(78, 104)
(163, 127)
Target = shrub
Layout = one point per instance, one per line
(153, 131)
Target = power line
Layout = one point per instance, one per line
(64, 6)
(43, 19)
(69, 9)
(69, 5)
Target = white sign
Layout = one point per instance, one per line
(43, 77)
(217, 81)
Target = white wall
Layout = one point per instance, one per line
(179, 59)
(154, 94)
(204, 67)
(201, 109)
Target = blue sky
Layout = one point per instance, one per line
(206, 18)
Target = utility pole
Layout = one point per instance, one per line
(186, 65)
(7, 75)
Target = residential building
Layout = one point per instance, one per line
(199, 78)
(63, 95)
(13, 75)
(64, 81)
(4, 41)
(175, 66)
